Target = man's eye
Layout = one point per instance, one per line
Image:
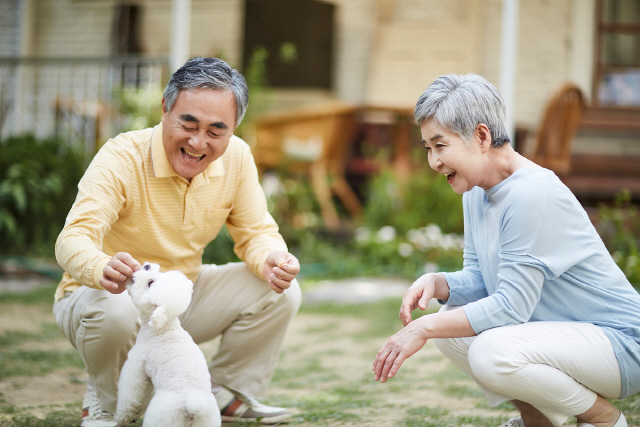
(426, 147)
(214, 135)
(188, 129)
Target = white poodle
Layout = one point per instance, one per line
(164, 360)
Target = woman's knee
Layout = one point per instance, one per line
(493, 357)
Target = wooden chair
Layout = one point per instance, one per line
(556, 133)
(315, 141)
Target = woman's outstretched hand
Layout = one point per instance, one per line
(398, 348)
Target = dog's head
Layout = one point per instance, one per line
(160, 297)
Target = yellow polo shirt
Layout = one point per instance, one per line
(131, 200)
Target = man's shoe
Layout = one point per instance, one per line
(92, 413)
(234, 409)
(514, 422)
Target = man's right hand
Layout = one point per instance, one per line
(118, 271)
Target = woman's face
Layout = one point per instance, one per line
(451, 156)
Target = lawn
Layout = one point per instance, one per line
(324, 374)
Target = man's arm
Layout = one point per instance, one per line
(255, 234)
(101, 195)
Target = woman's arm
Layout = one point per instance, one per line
(411, 338)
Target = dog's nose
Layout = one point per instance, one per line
(147, 266)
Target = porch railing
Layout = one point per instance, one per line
(72, 98)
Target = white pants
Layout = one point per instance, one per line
(557, 367)
(227, 300)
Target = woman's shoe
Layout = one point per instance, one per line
(622, 422)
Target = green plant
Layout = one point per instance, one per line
(38, 184)
(138, 108)
(619, 227)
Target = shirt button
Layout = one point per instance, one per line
(189, 209)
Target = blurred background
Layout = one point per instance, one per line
(332, 86)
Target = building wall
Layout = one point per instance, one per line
(9, 27)
(69, 28)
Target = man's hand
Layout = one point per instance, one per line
(118, 271)
(398, 348)
(280, 269)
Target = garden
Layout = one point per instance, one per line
(406, 229)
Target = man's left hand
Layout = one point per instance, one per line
(280, 269)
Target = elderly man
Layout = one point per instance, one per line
(161, 195)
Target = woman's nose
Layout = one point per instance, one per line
(434, 161)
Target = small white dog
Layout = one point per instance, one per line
(165, 369)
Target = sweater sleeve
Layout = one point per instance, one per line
(532, 229)
(467, 284)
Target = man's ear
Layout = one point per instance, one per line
(484, 136)
(164, 107)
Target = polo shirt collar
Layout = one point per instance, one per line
(162, 168)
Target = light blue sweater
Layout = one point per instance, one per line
(532, 254)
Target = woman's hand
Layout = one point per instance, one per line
(398, 348)
(420, 293)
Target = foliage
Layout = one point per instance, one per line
(425, 198)
(259, 91)
(38, 184)
(400, 233)
(139, 108)
(619, 227)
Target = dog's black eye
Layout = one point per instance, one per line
(150, 282)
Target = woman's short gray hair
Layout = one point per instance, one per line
(459, 103)
(208, 73)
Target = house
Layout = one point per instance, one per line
(61, 59)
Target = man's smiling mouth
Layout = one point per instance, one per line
(191, 156)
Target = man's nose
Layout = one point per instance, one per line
(198, 141)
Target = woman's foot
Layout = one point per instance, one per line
(602, 414)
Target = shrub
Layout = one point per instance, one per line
(619, 227)
(38, 185)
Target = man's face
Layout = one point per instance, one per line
(197, 129)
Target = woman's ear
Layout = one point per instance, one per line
(484, 136)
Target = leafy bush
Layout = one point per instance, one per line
(38, 185)
(401, 232)
(619, 227)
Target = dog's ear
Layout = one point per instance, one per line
(158, 318)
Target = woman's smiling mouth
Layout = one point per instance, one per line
(450, 177)
(191, 156)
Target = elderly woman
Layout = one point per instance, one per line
(540, 315)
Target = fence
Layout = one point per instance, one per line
(72, 98)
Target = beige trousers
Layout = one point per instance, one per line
(557, 367)
(228, 300)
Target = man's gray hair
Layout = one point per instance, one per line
(208, 73)
(459, 103)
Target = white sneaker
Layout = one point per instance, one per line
(622, 422)
(514, 422)
(92, 413)
(248, 409)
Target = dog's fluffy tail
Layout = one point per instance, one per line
(202, 410)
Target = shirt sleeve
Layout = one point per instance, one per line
(466, 285)
(251, 226)
(101, 195)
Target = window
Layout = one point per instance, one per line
(297, 38)
(617, 73)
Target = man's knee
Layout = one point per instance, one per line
(115, 317)
(292, 298)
